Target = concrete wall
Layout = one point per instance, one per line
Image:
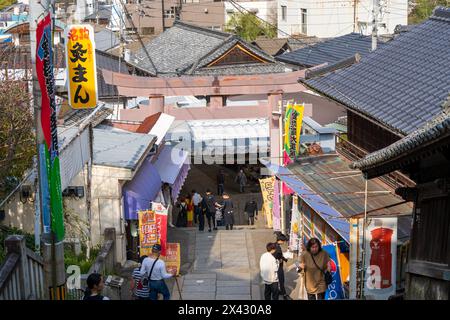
(204, 14)
(335, 18)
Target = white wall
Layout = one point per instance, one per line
(107, 211)
(327, 18)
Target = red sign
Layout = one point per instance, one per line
(161, 225)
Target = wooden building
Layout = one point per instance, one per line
(425, 156)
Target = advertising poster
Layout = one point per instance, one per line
(295, 225)
(173, 257)
(381, 254)
(48, 148)
(81, 66)
(292, 128)
(147, 232)
(276, 210)
(267, 189)
(161, 225)
(335, 290)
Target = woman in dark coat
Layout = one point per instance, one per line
(227, 209)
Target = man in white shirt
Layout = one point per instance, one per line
(269, 272)
(196, 200)
(156, 269)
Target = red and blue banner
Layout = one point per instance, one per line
(49, 146)
(335, 290)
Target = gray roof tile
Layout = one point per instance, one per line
(403, 83)
(187, 49)
(437, 128)
(330, 51)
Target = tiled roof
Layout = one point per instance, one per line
(434, 130)
(272, 46)
(403, 84)
(106, 39)
(330, 51)
(185, 49)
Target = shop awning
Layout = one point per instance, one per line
(169, 163)
(334, 218)
(141, 190)
(173, 166)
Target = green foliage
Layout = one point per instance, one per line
(249, 27)
(7, 231)
(17, 143)
(70, 258)
(6, 3)
(424, 9)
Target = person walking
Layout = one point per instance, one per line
(95, 285)
(228, 214)
(314, 261)
(155, 270)
(220, 182)
(241, 179)
(190, 210)
(182, 213)
(269, 272)
(138, 287)
(281, 239)
(209, 203)
(196, 200)
(251, 209)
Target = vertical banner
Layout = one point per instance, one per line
(161, 225)
(335, 290)
(147, 232)
(381, 258)
(81, 66)
(355, 257)
(276, 209)
(293, 120)
(49, 147)
(267, 188)
(295, 222)
(172, 258)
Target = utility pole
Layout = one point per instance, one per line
(375, 10)
(53, 252)
(162, 16)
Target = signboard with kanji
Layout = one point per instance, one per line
(81, 66)
(172, 258)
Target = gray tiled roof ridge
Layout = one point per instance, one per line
(441, 13)
(433, 129)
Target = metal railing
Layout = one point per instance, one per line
(22, 273)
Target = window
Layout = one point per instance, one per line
(148, 30)
(304, 21)
(283, 13)
(169, 13)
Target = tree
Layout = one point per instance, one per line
(17, 143)
(249, 27)
(423, 9)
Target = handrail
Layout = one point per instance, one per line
(7, 268)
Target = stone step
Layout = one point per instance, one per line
(198, 275)
(239, 290)
(233, 297)
(232, 283)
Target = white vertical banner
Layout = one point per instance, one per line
(295, 220)
(355, 256)
(381, 258)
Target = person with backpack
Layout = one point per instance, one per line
(209, 204)
(315, 262)
(138, 289)
(227, 211)
(95, 285)
(153, 270)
